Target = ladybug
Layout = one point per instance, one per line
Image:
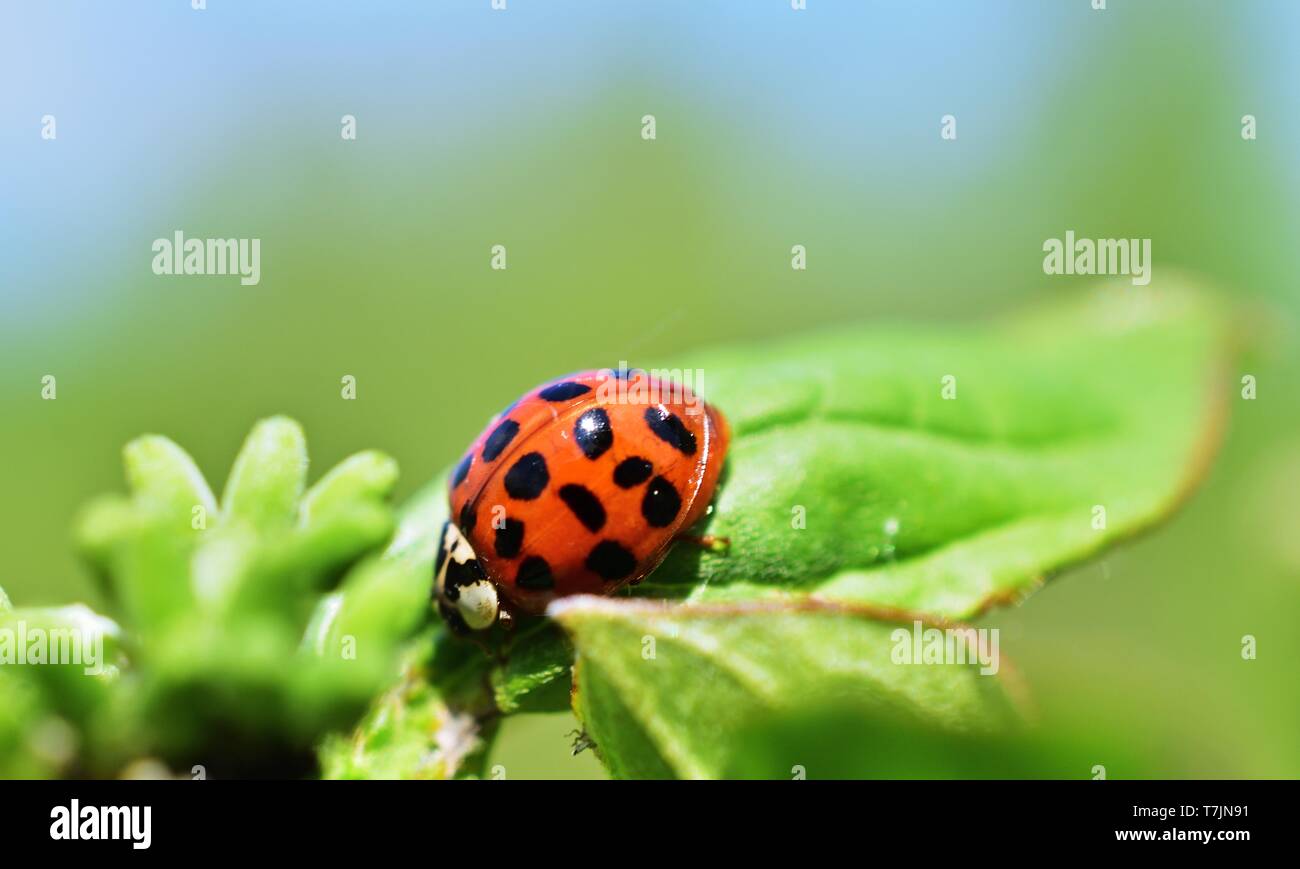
(579, 487)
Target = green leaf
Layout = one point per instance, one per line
(79, 652)
(72, 624)
(163, 477)
(666, 690)
(382, 602)
(387, 597)
(142, 553)
(229, 636)
(145, 541)
(839, 741)
(267, 479)
(365, 476)
(852, 477)
(23, 718)
(535, 674)
(431, 725)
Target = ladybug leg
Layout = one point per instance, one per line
(492, 647)
(506, 619)
(707, 541)
(484, 646)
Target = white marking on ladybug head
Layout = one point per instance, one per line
(478, 605)
(463, 584)
(456, 546)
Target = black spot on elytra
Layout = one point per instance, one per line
(509, 537)
(585, 505)
(563, 391)
(593, 433)
(527, 477)
(669, 429)
(534, 574)
(610, 561)
(500, 438)
(661, 503)
(623, 373)
(632, 472)
(462, 470)
(468, 518)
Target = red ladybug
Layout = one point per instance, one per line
(579, 487)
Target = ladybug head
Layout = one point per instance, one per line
(466, 598)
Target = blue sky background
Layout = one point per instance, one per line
(151, 98)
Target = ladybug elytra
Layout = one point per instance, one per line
(579, 487)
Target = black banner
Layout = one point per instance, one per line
(220, 818)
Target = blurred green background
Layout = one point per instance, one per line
(774, 128)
